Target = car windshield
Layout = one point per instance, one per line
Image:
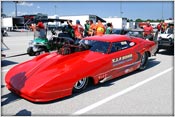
(120, 31)
(135, 34)
(116, 31)
(96, 46)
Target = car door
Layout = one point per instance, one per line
(122, 57)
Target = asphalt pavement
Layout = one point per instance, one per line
(140, 93)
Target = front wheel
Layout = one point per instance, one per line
(30, 51)
(157, 51)
(80, 85)
(144, 61)
(6, 34)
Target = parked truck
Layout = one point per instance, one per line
(11, 23)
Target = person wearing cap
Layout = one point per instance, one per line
(148, 31)
(78, 29)
(40, 31)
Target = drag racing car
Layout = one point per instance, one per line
(51, 76)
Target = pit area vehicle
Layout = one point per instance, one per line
(120, 31)
(4, 32)
(54, 75)
(38, 45)
(166, 41)
(135, 33)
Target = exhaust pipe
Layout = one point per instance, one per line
(105, 79)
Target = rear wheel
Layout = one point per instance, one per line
(144, 61)
(80, 85)
(41, 50)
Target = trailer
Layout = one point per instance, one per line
(12, 23)
(54, 24)
(169, 21)
(118, 23)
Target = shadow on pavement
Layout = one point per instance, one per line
(23, 112)
(6, 63)
(2, 86)
(8, 98)
(166, 52)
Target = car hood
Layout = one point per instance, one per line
(42, 69)
(166, 36)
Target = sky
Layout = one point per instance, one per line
(129, 9)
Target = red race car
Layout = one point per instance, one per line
(55, 75)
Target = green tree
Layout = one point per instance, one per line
(3, 15)
(129, 20)
(138, 20)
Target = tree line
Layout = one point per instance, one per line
(151, 20)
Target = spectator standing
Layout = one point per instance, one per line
(162, 26)
(78, 30)
(92, 28)
(171, 29)
(100, 28)
(87, 26)
(40, 31)
(148, 31)
(70, 30)
(108, 28)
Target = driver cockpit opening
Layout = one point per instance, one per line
(70, 48)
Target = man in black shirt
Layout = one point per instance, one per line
(171, 29)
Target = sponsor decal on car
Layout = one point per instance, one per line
(101, 76)
(122, 59)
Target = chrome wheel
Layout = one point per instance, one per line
(80, 85)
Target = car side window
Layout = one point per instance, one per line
(117, 46)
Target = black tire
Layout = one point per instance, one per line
(157, 51)
(6, 34)
(144, 61)
(80, 85)
(30, 51)
(46, 50)
(41, 50)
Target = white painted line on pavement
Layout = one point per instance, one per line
(17, 44)
(5, 70)
(88, 108)
(14, 52)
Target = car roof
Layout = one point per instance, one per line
(109, 38)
